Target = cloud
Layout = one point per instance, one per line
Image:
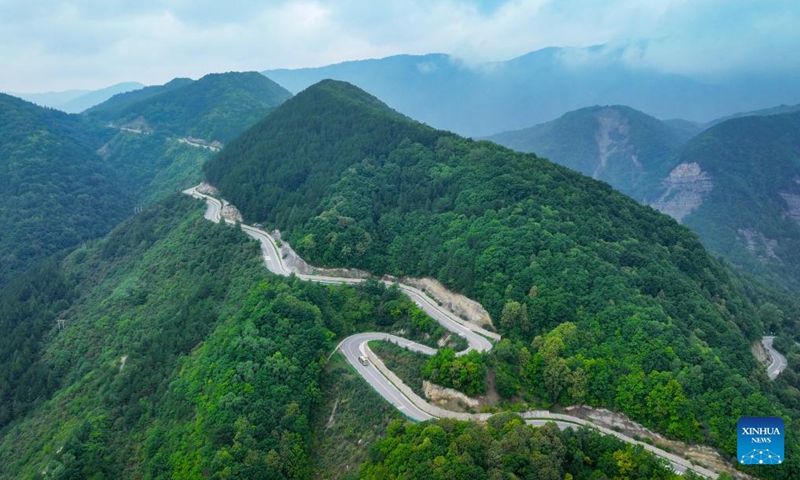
(92, 43)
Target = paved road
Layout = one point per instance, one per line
(778, 361)
(392, 388)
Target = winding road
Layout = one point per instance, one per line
(387, 384)
(778, 360)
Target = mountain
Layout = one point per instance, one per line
(57, 192)
(486, 98)
(600, 300)
(90, 99)
(150, 150)
(76, 101)
(50, 99)
(214, 108)
(780, 109)
(114, 105)
(616, 144)
(738, 185)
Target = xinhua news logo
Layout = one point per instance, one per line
(760, 441)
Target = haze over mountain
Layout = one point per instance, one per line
(738, 185)
(76, 101)
(616, 144)
(492, 97)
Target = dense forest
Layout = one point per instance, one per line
(600, 300)
(215, 107)
(166, 350)
(56, 191)
(506, 448)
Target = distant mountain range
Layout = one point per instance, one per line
(616, 144)
(734, 180)
(76, 101)
(484, 99)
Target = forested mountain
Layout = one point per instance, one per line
(616, 144)
(166, 350)
(150, 151)
(56, 191)
(76, 101)
(738, 185)
(215, 107)
(600, 299)
(487, 98)
(112, 108)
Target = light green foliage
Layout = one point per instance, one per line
(465, 373)
(506, 448)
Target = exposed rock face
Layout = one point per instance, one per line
(759, 245)
(761, 354)
(793, 202)
(684, 190)
(442, 395)
(462, 306)
(612, 137)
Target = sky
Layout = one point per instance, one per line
(53, 45)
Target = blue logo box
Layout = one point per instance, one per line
(760, 441)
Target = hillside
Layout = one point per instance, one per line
(215, 107)
(166, 350)
(601, 300)
(57, 192)
(616, 144)
(149, 150)
(485, 98)
(738, 185)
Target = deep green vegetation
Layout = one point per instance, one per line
(616, 144)
(215, 107)
(752, 214)
(601, 300)
(114, 106)
(179, 356)
(56, 192)
(506, 448)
